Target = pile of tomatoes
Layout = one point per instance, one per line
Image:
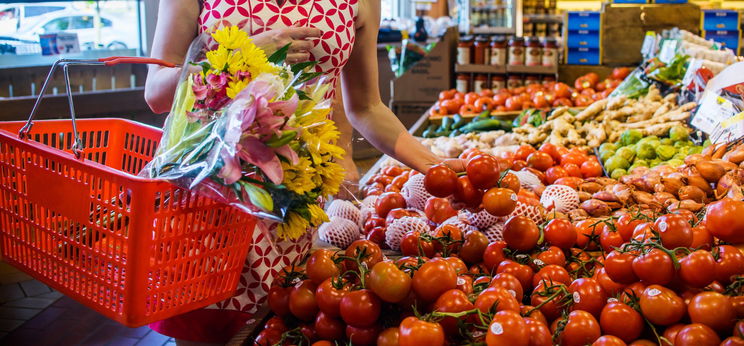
(586, 90)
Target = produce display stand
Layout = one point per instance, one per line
(75, 215)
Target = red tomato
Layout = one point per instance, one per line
(622, 321)
(302, 301)
(471, 97)
(499, 201)
(697, 334)
(572, 182)
(500, 99)
(561, 90)
(540, 161)
(555, 173)
(538, 332)
(466, 193)
(608, 340)
(508, 328)
(523, 152)
(454, 301)
(580, 329)
(551, 275)
(494, 255)
(620, 73)
(268, 337)
(591, 169)
(723, 220)
(610, 239)
(511, 182)
(328, 328)
(389, 201)
(278, 299)
(661, 305)
(701, 238)
(412, 245)
(388, 337)
(573, 170)
(675, 231)
(388, 282)
(484, 104)
(733, 341)
(522, 272)
(588, 232)
(551, 255)
(713, 310)
(473, 247)
(360, 308)
(573, 158)
(320, 266)
(439, 210)
(697, 269)
(588, 296)
(415, 332)
(540, 101)
(510, 283)
(483, 171)
(654, 267)
(447, 94)
(513, 103)
(495, 299)
(730, 262)
(328, 295)
(363, 336)
(434, 278)
(440, 181)
(560, 233)
(521, 233)
(451, 106)
(625, 226)
(562, 102)
(370, 253)
(611, 287)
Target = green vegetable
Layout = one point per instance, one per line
(483, 115)
(616, 162)
(679, 133)
(607, 147)
(604, 156)
(482, 125)
(676, 162)
(455, 133)
(618, 173)
(666, 141)
(447, 123)
(630, 137)
(459, 121)
(627, 153)
(429, 132)
(673, 72)
(537, 118)
(654, 162)
(645, 151)
(642, 163)
(695, 150)
(665, 152)
(707, 143)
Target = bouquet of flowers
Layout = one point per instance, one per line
(252, 131)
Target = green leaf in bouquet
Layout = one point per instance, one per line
(303, 95)
(183, 103)
(258, 196)
(286, 137)
(305, 77)
(299, 67)
(279, 56)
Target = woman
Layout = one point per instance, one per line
(342, 36)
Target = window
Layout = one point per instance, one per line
(82, 22)
(56, 25)
(106, 23)
(33, 11)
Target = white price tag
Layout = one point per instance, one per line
(59, 43)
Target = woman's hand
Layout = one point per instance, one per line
(299, 40)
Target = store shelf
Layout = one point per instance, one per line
(543, 18)
(490, 69)
(487, 30)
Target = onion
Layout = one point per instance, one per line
(691, 160)
(673, 182)
(710, 171)
(708, 151)
(644, 197)
(735, 156)
(735, 193)
(693, 193)
(719, 152)
(670, 202)
(584, 196)
(725, 184)
(727, 166)
(697, 180)
(596, 207)
(605, 196)
(662, 197)
(686, 204)
(590, 187)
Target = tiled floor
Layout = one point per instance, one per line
(31, 313)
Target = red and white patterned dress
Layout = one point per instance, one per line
(336, 20)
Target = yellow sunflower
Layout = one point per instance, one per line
(294, 226)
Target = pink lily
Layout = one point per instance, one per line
(231, 171)
(289, 154)
(199, 88)
(285, 108)
(253, 151)
(217, 81)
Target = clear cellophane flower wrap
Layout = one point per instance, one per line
(252, 131)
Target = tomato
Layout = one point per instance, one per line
(415, 332)
(484, 104)
(643, 342)
(510, 283)
(591, 168)
(521, 233)
(654, 267)
(583, 83)
(632, 292)
(581, 329)
(737, 302)
(440, 181)
(388, 337)
(494, 299)
(733, 341)
(697, 269)
(388, 282)
(434, 278)
(363, 336)
(328, 295)
(739, 329)
(572, 170)
(701, 238)
(622, 321)
(493, 255)
(453, 300)
(372, 222)
(507, 328)
(620, 73)
(588, 232)
(661, 305)
(671, 333)
(560, 233)
(457, 264)
(277, 323)
(562, 102)
(555, 173)
(538, 332)
(268, 337)
(377, 236)
(713, 310)
(675, 231)
(729, 262)
(466, 193)
(447, 94)
(611, 287)
(474, 247)
(511, 182)
(465, 283)
(370, 253)
(551, 308)
(389, 201)
(588, 296)
(320, 266)
(278, 299)
(540, 161)
(561, 90)
(399, 181)
(523, 152)
(302, 301)
(583, 101)
(697, 334)
(573, 158)
(439, 210)
(551, 274)
(552, 255)
(452, 106)
(499, 201)
(360, 308)
(610, 239)
(483, 171)
(723, 220)
(328, 328)
(608, 340)
(625, 226)
(411, 244)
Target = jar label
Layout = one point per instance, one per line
(549, 57)
(478, 86)
(462, 86)
(534, 56)
(516, 56)
(576, 297)
(460, 281)
(463, 55)
(498, 56)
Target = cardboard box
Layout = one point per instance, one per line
(423, 82)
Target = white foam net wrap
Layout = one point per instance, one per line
(396, 230)
(563, 197)
(459, 223)
(495, 232)
(533, 212)
(346, 210)
(339, 232)
(527, 180)
(482, 219)
(415, 193)
(369, 202)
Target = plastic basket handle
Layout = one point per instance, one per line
(77, 146)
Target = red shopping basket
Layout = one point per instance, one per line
(80, 220)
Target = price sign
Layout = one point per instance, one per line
(59, 43)
(721, 113)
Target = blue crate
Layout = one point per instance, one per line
(582, 38)
(584, 20)
(730, 38)
(720, 20)
(583, 56)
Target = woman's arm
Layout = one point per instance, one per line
(176, 28)
(345, 141)
(364, 107)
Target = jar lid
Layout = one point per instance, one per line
(481, 38)
(533, 39)
(466, 38)
(498, 38)
(517, 39)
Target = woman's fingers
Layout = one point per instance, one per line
(293, 58)
(300, 46)
(302, 33)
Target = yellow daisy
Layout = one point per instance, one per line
(218, 58)
(235, 87)
(231, 37)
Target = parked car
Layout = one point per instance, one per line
(115, 33)
(14, 16)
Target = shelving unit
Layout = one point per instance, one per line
(491, 69)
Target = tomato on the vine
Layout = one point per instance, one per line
(466, 193)
(610, 287)
(551, 274)
(723, 220)
(302, 301)
(483, 171)
(588, 232)
(360, 308)
(388, 337)
(494, 255)
(675, 231)
(608, 340)
(588, 295)
(729, 262)
(389, 201)
(661, 305)
(619, 267)
(522, 272)
(549, 299)
(610, 239)
(439, 209)
(521, 233)
(494, 299)
(621, 320)
(581, 329)
(560, 233)
(713, 310)
(701, 238)
(551, 255)
(499, 201)
(507, 328)
(697, 269)
(328, 328)
(510, 283)
(440, 181)
(415, 332)
(473, 247)
(454, 301)
(654, 267)
(369, 253)
(697, 334)
(329, 294)
(434, 278)
(539, 332)
(391, 284)
(278, 299)
(363, 336)
(321, 266)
